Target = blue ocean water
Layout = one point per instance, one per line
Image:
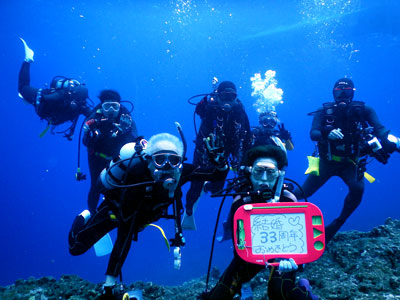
(158, 54)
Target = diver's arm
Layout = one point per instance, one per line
(390, 143)
(202, 173)
(88, 128)
(317, 132)
(372, 118)
(27, 92)
(201, 107)
(128, 135)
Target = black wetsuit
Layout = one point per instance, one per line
(341, 157)
(56, 106)
(233, 127)
(140, 206)
(103, 140)
(280, 286)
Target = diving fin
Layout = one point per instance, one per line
(313, 165)
(188, 222)
(369, 177)
(227, 232)
(103, 246)
(28, 52)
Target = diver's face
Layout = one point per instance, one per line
(227, 98)
(343, 94)
(269, 121)
(165, 164)
(264, 173)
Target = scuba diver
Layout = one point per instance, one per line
(263, 169)
(267, 134)
(346, 132)
(139, 186)
(64, 101)
(106, 130)
(223, 115)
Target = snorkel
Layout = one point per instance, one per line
(171, 182)
(279, 186)
(179, 128)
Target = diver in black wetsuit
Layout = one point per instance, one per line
(64, 101)
(346, 132)
(106, 130)
(139, 187)
(263, 165)
(222, 114)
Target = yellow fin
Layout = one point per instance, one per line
(370, 178)
(313, 165)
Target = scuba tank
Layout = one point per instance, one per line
(115, 174)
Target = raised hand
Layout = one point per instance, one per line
(284, 134)
(215, 150)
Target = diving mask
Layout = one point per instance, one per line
(227, 95)
(107, 106)
(265, 172)
(269, 122)
(111, 109)
(269, 119)
(166, 160)
(227, 99)
(343, 93)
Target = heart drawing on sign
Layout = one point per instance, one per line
(294, 221)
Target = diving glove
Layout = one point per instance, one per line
(125, 122)
(393, 139)
(28, 52)
(287, 265)
(215, 150)
(284, 134)
(335, 134)
(381, 156)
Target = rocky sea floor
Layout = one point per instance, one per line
(356, 265)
